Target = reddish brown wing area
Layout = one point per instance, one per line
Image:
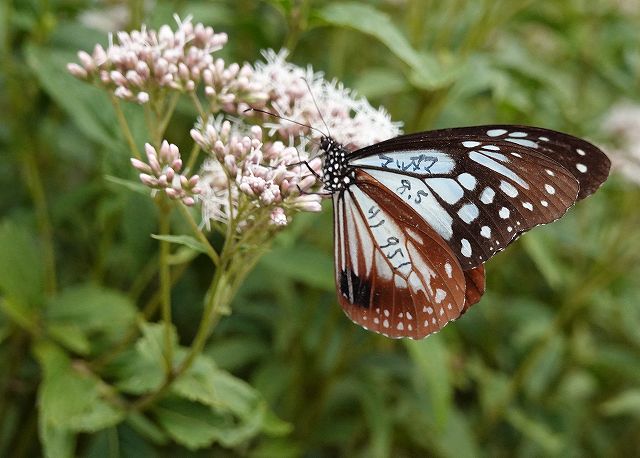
(395, 275)
(475, 286)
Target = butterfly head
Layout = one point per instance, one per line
(337, 175)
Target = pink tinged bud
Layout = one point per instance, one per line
(165, 35)
(170, 174)
(118, 78)
(193, 181)
(162, 181)
(142, 69)
(176, 164)
(141, 166)
(209, 91)
(307, 182)
(77, 71)
(188, 201)
(190, 86)
(148, 180)
(244, 187)
(278, 217)
(123, 93)
(104, 77)
(197, 137)
(183, 71)
(172, 193)
(99, 55)
(86, 61)
(230, 163)
(142, 97)
(308, 206)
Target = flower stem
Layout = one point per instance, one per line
(211, 252)
(165, 283)
(122, 120)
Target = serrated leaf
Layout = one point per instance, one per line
(69, 399)
(91, 308)
(146, 428)
(21, 269)
(56, 442)
(190, 424)
(152, 343)
(70, 336)
(198, 383)
(137, 374)
(185, 240)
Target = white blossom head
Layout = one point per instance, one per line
(622, 124)
(136, 65)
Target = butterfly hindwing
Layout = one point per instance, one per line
(480, 187)
(395, 275)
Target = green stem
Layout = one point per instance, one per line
(168, 113)
(195, 152)
(122, 120)
(196, 103)
(34, 181)
(211, 252)
(165, 283)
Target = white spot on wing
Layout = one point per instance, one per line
(527, 205)
(508, 188)
(470, 144)
(466, 248)
(467, 180)
(523, 142)
(487, 195)
(440, 295)
(504, 213)
(496, 132)
(447, 188)
(448, 270)
(580, 152)
(485, 232)
(581, 168)
(550, 189)
(497, 167)
(468, 212)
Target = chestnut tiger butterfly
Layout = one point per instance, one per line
(416, 216)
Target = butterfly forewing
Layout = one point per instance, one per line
(477, 195)
(395, 275)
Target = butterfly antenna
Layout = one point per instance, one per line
(316, 105)
(283, 118)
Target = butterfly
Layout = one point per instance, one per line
(416, 216)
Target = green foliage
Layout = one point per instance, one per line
(547, 364)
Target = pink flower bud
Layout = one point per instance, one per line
(77, 71)
(188, 201)
(148, 180)
(141, 166)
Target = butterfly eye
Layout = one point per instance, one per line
(416, 217)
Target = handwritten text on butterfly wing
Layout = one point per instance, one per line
(419, 162)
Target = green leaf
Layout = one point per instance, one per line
(427, 72)
(550, 441)
(70, 399)
(625, 403)
(185, 240)
(70, 336)
(431, 374)
(134, 186)
(537, 247)
(21, 269)
(190, 424)
(88, 107)
(304, 263)
(56, 442)
(88, 309)
(366, 19)
(143, 370)
(198, 383)
(146, 428)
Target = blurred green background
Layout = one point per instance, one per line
(547, 364)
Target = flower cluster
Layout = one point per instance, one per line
(242, 167)
(145, 61)
(305, 96)
(622, 124)
(162, 172)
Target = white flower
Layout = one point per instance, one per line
(622, 123)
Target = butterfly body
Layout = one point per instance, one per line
(416, 216)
